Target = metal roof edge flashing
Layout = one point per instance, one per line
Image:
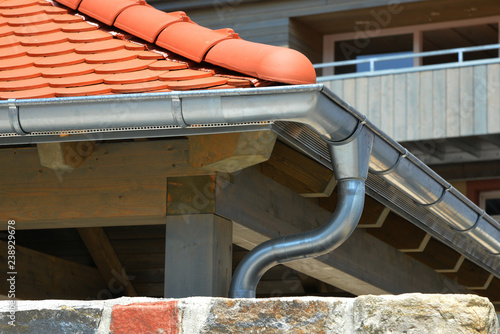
(329, 118)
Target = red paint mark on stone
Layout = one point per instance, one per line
(145, 318)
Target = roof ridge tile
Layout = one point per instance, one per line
(148, 29)
(105, 11)
(191, 40)
(177, 33)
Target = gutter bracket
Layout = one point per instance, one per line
(177, 111)
(393, 167)
(439, 200)
(14, 118)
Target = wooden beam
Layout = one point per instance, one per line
(120, 179)
(88, 222)
(42, 276)
(190, 195)
(105, 258)
(298, 172)
(262, 209)
(231, 152)
(64, 156)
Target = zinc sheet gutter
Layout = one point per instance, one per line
(305, 116)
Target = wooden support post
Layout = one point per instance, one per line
(231, 152)
(198, 256)
(64, 156)
(198, 243)
(105, 258)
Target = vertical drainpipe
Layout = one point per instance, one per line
(350, 159)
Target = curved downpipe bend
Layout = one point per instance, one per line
(350, 163)
(303, 245)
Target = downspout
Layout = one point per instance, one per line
(350, 159)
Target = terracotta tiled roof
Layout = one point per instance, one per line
(91, 47)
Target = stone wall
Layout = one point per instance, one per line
(411, 313)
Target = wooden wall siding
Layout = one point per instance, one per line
(429, 104)
(306, 40)
(263, 21)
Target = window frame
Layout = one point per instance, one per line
(417, 31)
(484, 195)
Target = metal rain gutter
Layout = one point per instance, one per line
(396, 176)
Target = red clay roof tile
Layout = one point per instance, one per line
(23, 11)
(103, 46)
(53, 50)
(133, 77)
(44, 3)
(29, 94)
(30, 20)
(79, 27)
(61, 60)
(111, 57)
(98, 89)
(167, 65)
(148, 29)
(124, 66)
(134, 46)
(67, 18)
(6, 30)
(222, 87)
(68, 71)
(38, 29)
(239, 83)
(14, 51)
(140, 87)
(185, 75)
(17, 62)
(21, 73)
(105, 11)
(149, 55)
(56, 10)
(89, 36)
(32, 83)
(17, 3)
(46, 39)
(9, 40)
(197, 83)
(79, 80)
(191, 40)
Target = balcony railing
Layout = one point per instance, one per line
(373, 61)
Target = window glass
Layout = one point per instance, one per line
(386, 64)
(363, 47)
(492, 206)
(461, 37)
